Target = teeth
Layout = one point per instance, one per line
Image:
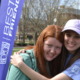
(71, 44)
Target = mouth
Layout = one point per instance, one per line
(51, 56)
(71, 45)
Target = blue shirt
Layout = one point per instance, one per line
(74, 70)
(68, 58)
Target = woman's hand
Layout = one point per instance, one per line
(16, 60)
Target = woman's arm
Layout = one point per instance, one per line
(36, 76)
(17, 61)
(15, 73)
(33, 75)
(61, 76)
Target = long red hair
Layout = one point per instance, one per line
(49, 31)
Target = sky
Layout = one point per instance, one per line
(75, 3)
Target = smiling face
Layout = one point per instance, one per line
(52, 48)
(71, 41)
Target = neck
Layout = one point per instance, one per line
(72, 52)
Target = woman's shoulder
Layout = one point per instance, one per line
(74, 70)
(30, 59)
(29, 53)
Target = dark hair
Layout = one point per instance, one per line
(64, 56)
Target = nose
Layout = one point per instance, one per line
(52, 50)
(71, 39)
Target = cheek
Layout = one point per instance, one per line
(78, 43)
(45, 49)
(58, 51)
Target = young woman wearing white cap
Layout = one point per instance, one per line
(70, 56)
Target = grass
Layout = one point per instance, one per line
(15, 49)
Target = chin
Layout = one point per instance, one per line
(50, 59)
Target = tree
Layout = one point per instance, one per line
(37, 14)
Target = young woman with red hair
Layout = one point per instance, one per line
(44, 57)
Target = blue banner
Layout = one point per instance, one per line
(10, 11)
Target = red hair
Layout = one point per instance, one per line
(29, 47)
(49, 31)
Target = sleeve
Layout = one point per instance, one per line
(15, 74)
(74, 70)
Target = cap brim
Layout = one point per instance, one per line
(73, 29)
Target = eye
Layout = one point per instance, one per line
(77, 37)
(57, 47)
(49, 45)
(68, 35)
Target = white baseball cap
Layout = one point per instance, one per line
(73, 24)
